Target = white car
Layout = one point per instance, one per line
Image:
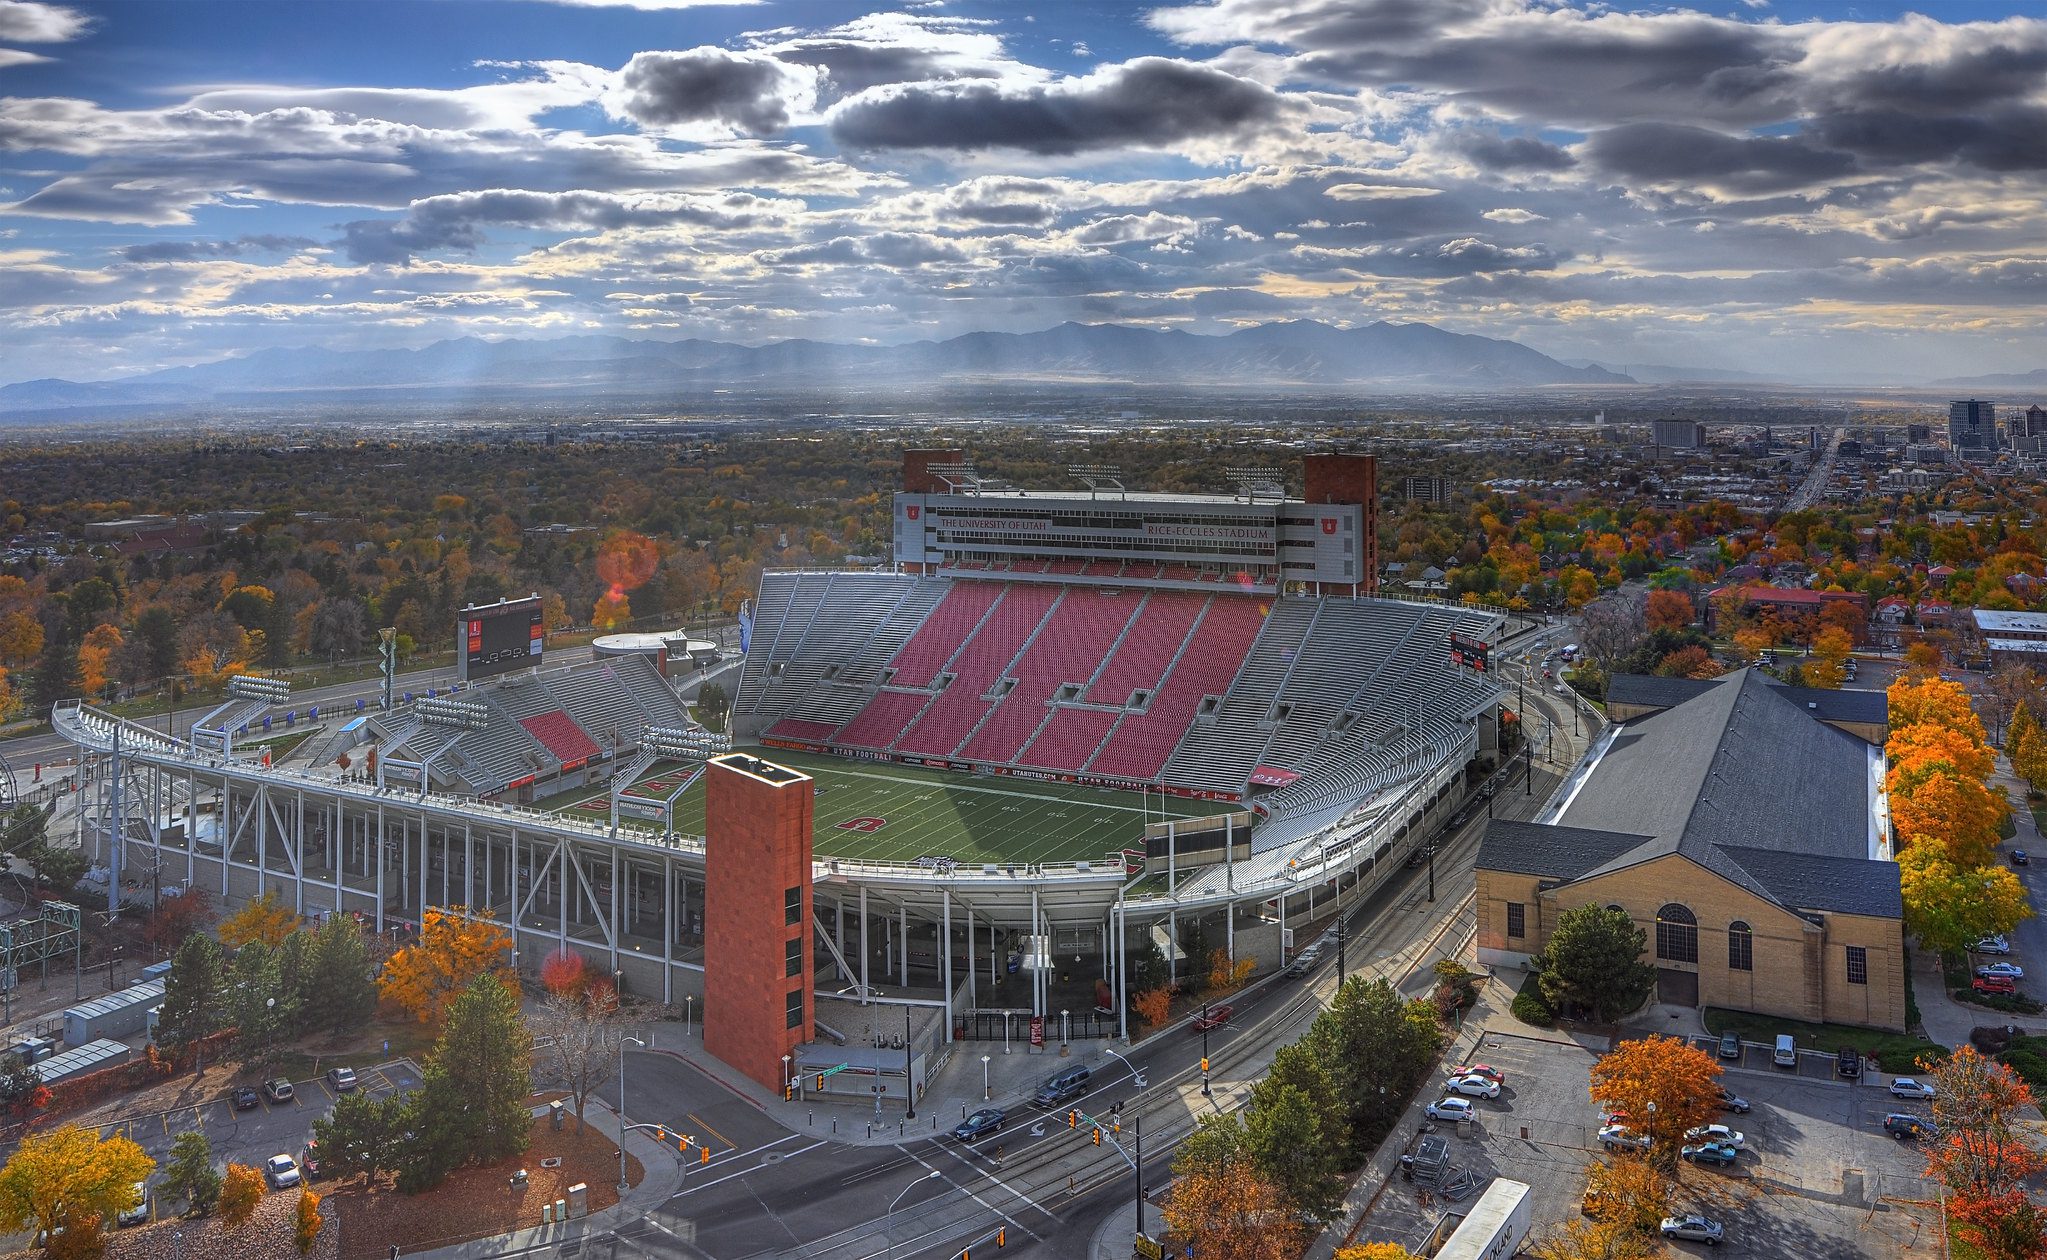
(1716, 1133)
(1910, 1087)
(1693, 1229)
(1619, 1137)
(1474, 1086)
(281, 1171)
(1450, 1109)
(2010, 971)
(1992, 945)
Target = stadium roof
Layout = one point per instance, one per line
(1739, 779)
(1842, 705)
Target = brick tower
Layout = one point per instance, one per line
(757, 955)
(1342, 478)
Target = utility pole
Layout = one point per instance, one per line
(1341, 970)
(1204, 1050)
(1432, 873)
(1137, 1166)
(909, 1085)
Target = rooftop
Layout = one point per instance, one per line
(1993, 621)
(1842, 705)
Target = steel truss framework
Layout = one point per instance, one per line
(632, 900)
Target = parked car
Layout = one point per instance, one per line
(1059, 1088)
(2019, 858)
(1905, 1126)
(1910, 1087)
(1848, 1064)
(281, 1171)
(1693, 1228)
(1730, 1045)
(1486, 1070)
(139, 1214)
(1619, 1137)
(1214, 1017)
(979, 1125)
(1998, 986)
(2010, 971)
(1307, 960)
(1450, 1109)
(1992, 945)
(279, 1090)
(342, 1079)
(245, 1098)
(1711, 1153)
(1716, 1133)
(1733, 1102)
(1474, 1086)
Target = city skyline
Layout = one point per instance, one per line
(1810, 191)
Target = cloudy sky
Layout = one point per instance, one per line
(1820, 189)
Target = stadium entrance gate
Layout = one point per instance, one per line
(1015, 1025)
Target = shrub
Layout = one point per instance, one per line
(2017, 1004)
(1152, 1006)
(1529, 1006)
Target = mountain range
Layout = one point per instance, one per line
(1300, 354)
(2034, 381)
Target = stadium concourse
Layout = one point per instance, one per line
(1062, 726)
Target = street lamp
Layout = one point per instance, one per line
(909, 1053)
(687, 1000)
(893, 1203)
(786, 1078)
(622, 1039)
(986, 1092)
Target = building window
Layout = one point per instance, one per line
(796, 956)
(1741, 947)
(1517, 920)
(796, 1008)
(1677, 934)
(1858, 965)
(792, 906)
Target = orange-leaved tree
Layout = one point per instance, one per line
(1984, 1155)
(1152, 1006)
(1669, 610)
(455, 946)
(1923, 747)
(240, 1191)
(1594, 1240)
(1225, 976)
(265, 919)
(1375, 1251)
(1666, 1085)
(1949, 811)
(1917, 698)
(1220, 1198)
(564, 972)
(306, 1226)
(1634, 1192)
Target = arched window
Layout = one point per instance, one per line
(1741, 947)
(1677, 934)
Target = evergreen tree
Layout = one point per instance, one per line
(472, 1100)
(18, 1081)
(1288, 1135)
(363, 1135)
(192, 998)
(190, 1174)
(258, 1005)
(1593, 962)
(1378, 1048)
(56, 673)
(295, 963)
(341, 995)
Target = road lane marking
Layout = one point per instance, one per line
(693, 1187)
(691, 1115)
(1028, 1201)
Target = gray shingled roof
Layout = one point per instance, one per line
(1740, 779)
(1844, 705)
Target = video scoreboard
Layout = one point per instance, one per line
(498, 638)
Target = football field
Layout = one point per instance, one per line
(879, 811)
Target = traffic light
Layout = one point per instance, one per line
(661, 1134)
(1204, 1063)
(1072, 1119)
(682, 1145)
(1116, 1127)
(820, 1082)
(1098, 1135)
(788, 1093)
(1001, 1236)
(703, 1154)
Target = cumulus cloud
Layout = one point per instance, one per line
(196, 251)
(1151, 102)
(1512, 214)
(750, 93)
(31, 22)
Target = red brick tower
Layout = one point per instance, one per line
(1336, 478)
(757, 955)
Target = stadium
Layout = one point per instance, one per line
(1064, 722)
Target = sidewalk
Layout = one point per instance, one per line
(660, 1180)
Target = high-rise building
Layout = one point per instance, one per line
(1425, 489)
(1972, 425)
(2030, 425)
(1918, 433)
(1683, 435)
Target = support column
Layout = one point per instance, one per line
(864, 950)
(945, 955)
(1037, 977)
(667, 931)
(903, 942)
(378, 845)
(973, 998)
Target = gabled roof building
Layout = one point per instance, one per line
(1746, 832)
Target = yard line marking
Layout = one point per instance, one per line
(708, 1129)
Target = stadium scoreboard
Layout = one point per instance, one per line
(498, 638)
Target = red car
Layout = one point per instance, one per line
(2003, 986)
(1214, 1017)
(1486, 1070)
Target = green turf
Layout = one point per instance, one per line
(938, 813)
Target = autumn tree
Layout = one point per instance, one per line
(1220, 1198)
(455, 946)
(307, 1221)
(1669, 610)
(584, 1045)
(1921, 658)
(1153, 1006)
(1984, 1154)
(95, 659)
(1950, 812)
(1949, 906)
(173, 919)
(70, 1177)
(1829, 667)
(564, 971)
(1666, 1085)
(1593, 1240)
(240, 1191)
(266, 919)
(190, 1175)
(1225, 976)
(1593, 962)
(1916, 698)
(1633, 1192)
(1375, 1251)
(2025, 746)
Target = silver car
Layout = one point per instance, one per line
(1693, 1228)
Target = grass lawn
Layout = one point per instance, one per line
(1897, 1052)
(881, 811)
(361, 1049)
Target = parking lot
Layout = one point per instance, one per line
(1818, 1176)
(269, 1128)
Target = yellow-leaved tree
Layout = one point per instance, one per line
(265, 919)
(240, 1191)
(306, 1230)
(1949, 907)
(455, 946)
(1375, 1251)
(70, 1177)
(1923, 698)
